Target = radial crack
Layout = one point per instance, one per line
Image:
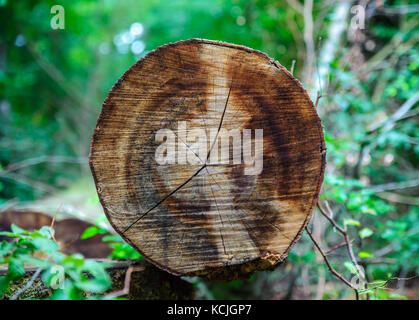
(221, 122)
(195, 174)
(167, 196)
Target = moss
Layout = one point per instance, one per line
(37, 290)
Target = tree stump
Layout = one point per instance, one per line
(195, 206)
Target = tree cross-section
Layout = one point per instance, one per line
(192, 214)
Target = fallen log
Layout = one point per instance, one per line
(175, 188)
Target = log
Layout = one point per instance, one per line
(171, 157)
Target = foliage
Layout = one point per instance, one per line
(72, 276)
(120, 249)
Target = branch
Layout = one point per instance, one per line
(394, 186)
(340, 245)
(29, 182)
(332, 270)
(42, 159)
(333, 222)
(308, 40)
(344, 232)
(390, 122)
(127, 283)
(385, 283)
(398, 198)
(27, 286)
(296, 6)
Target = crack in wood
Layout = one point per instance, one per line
(191, 177)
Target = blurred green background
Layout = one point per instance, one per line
(53, 83)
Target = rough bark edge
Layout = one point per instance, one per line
(263, 260)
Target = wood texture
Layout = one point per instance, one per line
(208, 219)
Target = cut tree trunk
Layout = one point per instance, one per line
(217, 219)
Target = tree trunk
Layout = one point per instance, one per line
(172, 196)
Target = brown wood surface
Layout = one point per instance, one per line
(205, 219)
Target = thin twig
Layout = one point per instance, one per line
(292, 67)
(332, 270)
(390, 122)
(297, 6)
(127, 283)
(319, 96)
(27, 286)
(385, 283)
(51, 227)
(43, 159)
(333, 222)
(340, 245)
(394, 186)
(344, 232)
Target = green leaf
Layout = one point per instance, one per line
(364, 254)
(369, 291)
(370, 211)
(40, 263)
(4, 285)
(69, 292)
(6, 248)
(45, 245)
(91, 232)
(46, 231)
(75, 259)
(94, 285)
(93, 200)
(352, 222)
(397, 296)
(365, 233)
(8, 234)
(16, 268)
(350, 266)
(112, 238)
(16, 230)
(123, 251)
